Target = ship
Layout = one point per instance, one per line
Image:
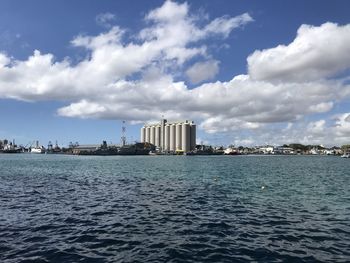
(11, 148)
(104, 150)
(53, 149)
(139, 148)
(37, 148)
(14, 150)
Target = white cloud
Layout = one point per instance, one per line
(265, 102)
(135, 79)
(202, 71)
(110, 61)
(321, 107)
(224, 25)
(223, 124)
(316, 127)
(111, 38)
(4, 60)
(246, 142)
(90, 109)
(347, 118)
(333, 131)
(105, 19)
(173, 29)
(316, 52)
(342, 126)
(169, 11)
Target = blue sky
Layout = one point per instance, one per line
(293, 87)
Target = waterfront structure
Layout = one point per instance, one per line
(171, 136)
(85, 148)
(37, 148)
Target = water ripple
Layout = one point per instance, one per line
(174, 209)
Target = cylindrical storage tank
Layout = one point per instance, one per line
(152, 134)
(148, 137)
(167, 138)
(143, 134)
(178, 140)
(186, 137)
(162, 133)
(193, 137)
(157, 142)
(172, 137)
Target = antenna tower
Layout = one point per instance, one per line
(123, 137)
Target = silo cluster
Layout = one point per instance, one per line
(171, 136)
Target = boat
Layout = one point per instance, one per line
(11, 148)
(345, 155)
(231, 151)
(16, 150)
(136, 149)
(104, 150)
(37, 148)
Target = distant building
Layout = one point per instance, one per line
(314, 151)
(328, 152)
(283, 150)
(266, 149)
(171, 136)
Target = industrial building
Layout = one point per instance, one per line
(171, 136)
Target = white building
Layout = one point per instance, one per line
(171, 136)
(266, 149)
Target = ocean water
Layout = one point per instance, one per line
(57, 208)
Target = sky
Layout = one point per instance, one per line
(247, 72)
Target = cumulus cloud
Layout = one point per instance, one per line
(328, 132)
(110, 62)
(316, 127)
(347, 118)
(202, 71)
(224, 124)
(316, 52)
(4, 60)
(134, 79)
(342, 125)
(322, 107)
(169, 11)
(91, 109)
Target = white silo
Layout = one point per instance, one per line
(193, 137)
(143, 134)
(172, 137)
(148, 129)
(167, 138)
(178, 140)
(186, 137)
(162, 133)
(157, 142)
(152, 135)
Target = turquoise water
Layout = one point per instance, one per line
(60, 208)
